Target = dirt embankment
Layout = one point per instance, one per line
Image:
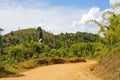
(71, 71)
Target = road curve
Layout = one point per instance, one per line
(71, 71)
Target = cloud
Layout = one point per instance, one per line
(52, 18)
(80, 25)
(112, 2)
(94, 13)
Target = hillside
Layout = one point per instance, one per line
(25, 35)
(53, 41)
(20, 36)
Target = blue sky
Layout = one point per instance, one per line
(103, 4)
(55, 16)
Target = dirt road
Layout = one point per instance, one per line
(72, 71)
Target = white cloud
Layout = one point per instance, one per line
(94, 13)
(54, 19)
(80, 25)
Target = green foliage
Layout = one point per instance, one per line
(86, 49)
(15, 51)
(108, 67)
(90, 49)
(1, 45)
(1, 41)
(40, 33)
(26, 51)
(110, 27)
(23, 50)
(65, 52)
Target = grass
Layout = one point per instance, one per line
(108, 67)
(3, 72)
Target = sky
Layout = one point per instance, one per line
(56, 16)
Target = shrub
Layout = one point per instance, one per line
(27, 51)
(81, 49)
(36, 47)
(28, 64)
(15, 52)
(64, 52)
(57, 61)
(42, 61)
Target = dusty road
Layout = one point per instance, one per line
(72, 71)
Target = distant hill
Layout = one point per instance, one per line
(25, 34)
(22, 36)
(53, 41)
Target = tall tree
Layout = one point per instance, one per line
(40, 34)
(1, 43)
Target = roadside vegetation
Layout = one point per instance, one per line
(29, 48)
(108, 66)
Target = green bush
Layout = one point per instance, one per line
(15, 51)
(26, 51)
(91, 49)
(64, 52)
(36, 47)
